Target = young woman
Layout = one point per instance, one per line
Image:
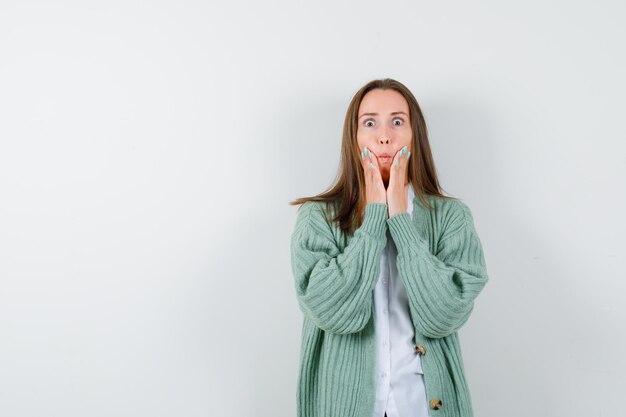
(386, 271)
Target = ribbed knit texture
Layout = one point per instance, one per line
(441, 263)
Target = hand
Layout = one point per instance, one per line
(398, 188)
(374, 188)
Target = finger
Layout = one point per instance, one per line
(369, 168)
(377, 175)
(365, 160)
(398, 158)
(368, 160)
(373, 159)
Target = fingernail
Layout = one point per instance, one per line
(396, 162)
(408, 155)
(362, 154)
(404, 150)
(367, 151)
(372, 165)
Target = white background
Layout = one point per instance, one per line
(148, 152)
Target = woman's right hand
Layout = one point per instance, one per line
(374, 188)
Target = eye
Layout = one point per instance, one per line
(398, 118)
(367, 121)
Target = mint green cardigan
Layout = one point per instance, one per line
(441, 263)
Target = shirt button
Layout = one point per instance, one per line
(385, 311)
(384, 281)
(436, 404)
(384, 374)
(384, 343)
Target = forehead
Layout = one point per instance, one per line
(383, 101)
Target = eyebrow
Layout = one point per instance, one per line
(376, 114)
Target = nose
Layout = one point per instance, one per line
(384, 140)
(385, 136)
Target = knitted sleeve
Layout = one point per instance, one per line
(441, 287)
(333, 287)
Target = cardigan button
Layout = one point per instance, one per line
(436, 404)
(421, 349)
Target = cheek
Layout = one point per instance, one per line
(364, 136)
(407, 138)
(363, 139)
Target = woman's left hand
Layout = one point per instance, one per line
(397, 190)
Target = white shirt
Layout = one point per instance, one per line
(400, 390)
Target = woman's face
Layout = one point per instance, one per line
(384, 126)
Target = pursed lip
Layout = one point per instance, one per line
(384, 155)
